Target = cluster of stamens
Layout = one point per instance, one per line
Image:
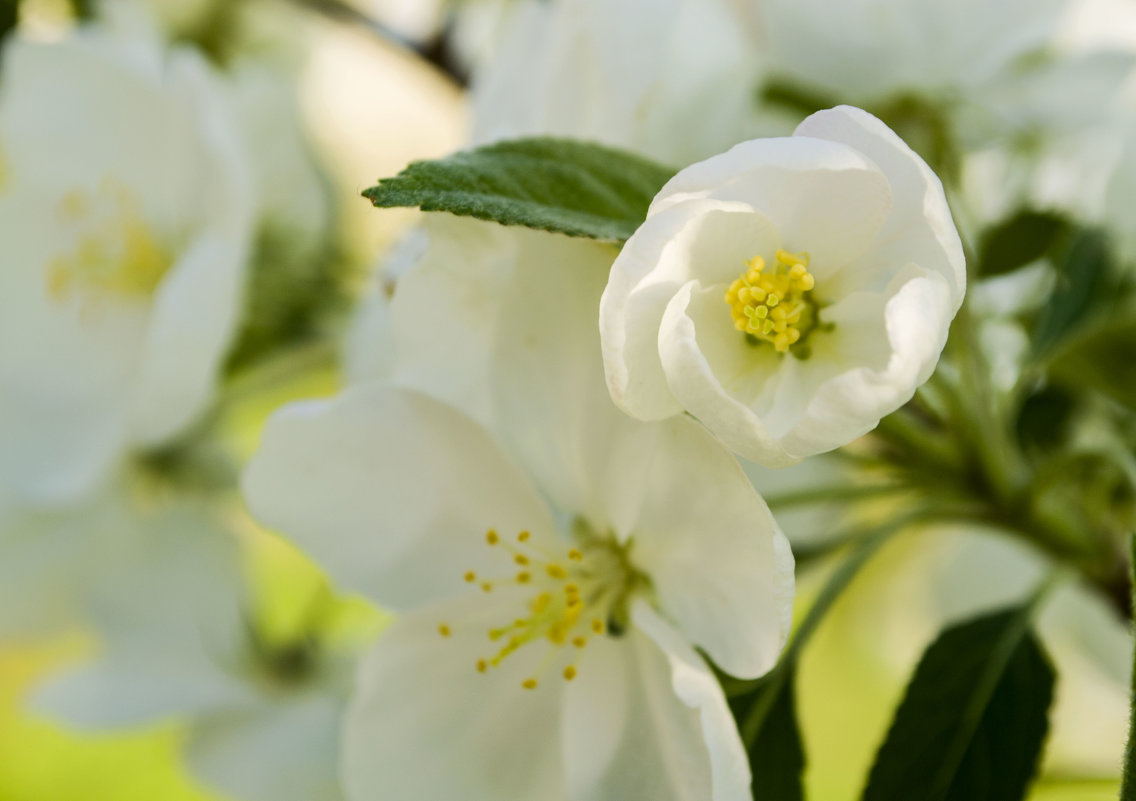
(114, 249)
(770, 304)
(569, 607)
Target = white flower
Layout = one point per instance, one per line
(179, 638)
(630, 73)
(609, 547)
(124, 228)
(789, 293)
(546, 649)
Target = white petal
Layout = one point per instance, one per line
(697, 688)
(721, 568)
(707, 240)
(391, 491)
(825, 197)
(426, 725)
(699, 390)
(920, 228)
(445, 311)
(168, 614)
(195, 314)
(917, 317)
(283, 750)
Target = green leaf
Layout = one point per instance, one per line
(974, 718)
(767, 721)
(1103, 359)
(9, 16)
(1128, 788)
(559, 185)
(1021, 239)
(1084, 285)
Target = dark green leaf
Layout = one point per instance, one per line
(560, 185)
(767, 720)
(1045, 418)
(1103, 359)
(974, 719)
(9, 16)
(1083, 285)
(1128, 789)
(1023, 238)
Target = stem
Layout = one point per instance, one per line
(1128, 788)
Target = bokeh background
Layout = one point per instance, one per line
(376, 84)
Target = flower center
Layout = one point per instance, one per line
(114, 251)
(774, 305)
(582, 593)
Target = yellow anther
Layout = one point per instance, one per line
(556, 571)
(524, 577)
(769, 304)
(487, 586)
(569, 673)
(444, 630)
(521, 559)
(598, 626)
(491, 537)
(470, 577)
(571, 589)
(523, 536)
(529, 684)
(482, 666)
(579, 642)
(575, 555)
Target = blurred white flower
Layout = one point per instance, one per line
(179, 639)
(125, 221)
(555, 573)
(1007, 76)
(629, 73)
(789, 293)
(544, 650)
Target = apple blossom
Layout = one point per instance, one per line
(789, 293)
(553, 560)
(125, 219)
(543, 650)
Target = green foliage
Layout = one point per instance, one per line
(1104, 359)
(1085, 286)
(767, 718)
(568, 187)
(9, 16)
(974, 719)
(1023, 238)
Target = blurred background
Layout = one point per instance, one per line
(156, 645)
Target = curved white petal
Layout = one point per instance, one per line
(920, 228)
(715, 237)
(720, 566)
(698, 389)
(824, 197)
(698, 689)
(916, 317)
(280, 750)
(425, 724)
(194, 317)
(391, 491)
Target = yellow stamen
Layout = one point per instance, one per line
(444, 630)
(529, 684)
(491, 537)
(770, 304)
(569, 673)
(470, 577)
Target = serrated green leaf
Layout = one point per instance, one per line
(974, 718)
(1019, 240)
(767, 720)
(560, 185)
